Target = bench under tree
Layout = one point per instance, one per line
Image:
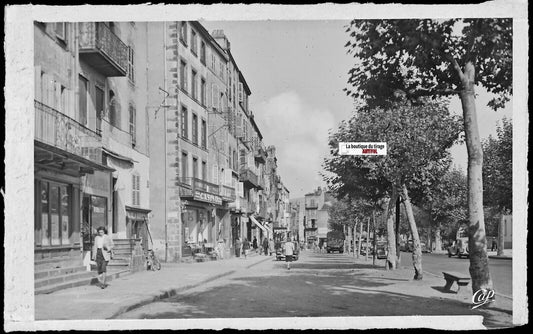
(459, 278)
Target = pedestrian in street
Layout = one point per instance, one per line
(289, 251)
(494, 245)
(103, 245)
(265, 246)
(245, 247)
(238, 246)
(254, 244)
(271, 246)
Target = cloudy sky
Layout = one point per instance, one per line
(296, 71)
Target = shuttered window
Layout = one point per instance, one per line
(136, 189)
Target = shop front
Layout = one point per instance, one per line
(59, 224)
(96, 210)
(200, 226)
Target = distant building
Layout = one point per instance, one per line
(316, 216)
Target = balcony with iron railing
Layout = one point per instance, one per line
(199, 184)
(248, 177)
(59, 130)
(102, 49)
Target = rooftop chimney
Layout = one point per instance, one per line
(221, 39)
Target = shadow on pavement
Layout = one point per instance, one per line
(442, 290)
(300, 294)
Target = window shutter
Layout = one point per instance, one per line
(215, 102)
(241, 93)
(241, 189)
(215, 174)
(133, 189)
(186, 81)
(228, 177)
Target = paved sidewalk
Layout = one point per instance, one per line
(128, 292)
(507, 254)
(400, 282)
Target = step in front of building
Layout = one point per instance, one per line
(43, 273)
(89, 279)
(56, 263)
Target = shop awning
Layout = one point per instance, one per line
(118, 156)
(258, 224)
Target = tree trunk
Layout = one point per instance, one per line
(430, 234)
(367, 237)
(353, 239)
(398, 252)
(501, 234)
(360, 236)
(477, 241)
(417, 251)
(374, 237)
(390, 263)
(438, 239)
(346, 241)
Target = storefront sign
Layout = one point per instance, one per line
(206, 197)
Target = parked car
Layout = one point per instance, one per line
(459, 246)
(403, 246)
(381, 249)
(335, 242)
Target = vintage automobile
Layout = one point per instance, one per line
(459, 246)
(381, 249)
(410, 246)
(335, 242)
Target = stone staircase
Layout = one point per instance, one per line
(67, 272)
(60, 273)
(121, 254)
(127, 255)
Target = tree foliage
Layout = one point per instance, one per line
(498, 168)
(422, 57)
(418, 137)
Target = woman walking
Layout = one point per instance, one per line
(245, 247)
(102, 248)
(238, 246)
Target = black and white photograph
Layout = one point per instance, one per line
(260, 166)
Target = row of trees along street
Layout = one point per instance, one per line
(404, 75)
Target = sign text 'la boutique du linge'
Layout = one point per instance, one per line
(362, 148)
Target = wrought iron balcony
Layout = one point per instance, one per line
(58, 130)
(249, 178)
(102, 49)
(199, 184)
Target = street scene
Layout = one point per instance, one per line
(250, 170)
